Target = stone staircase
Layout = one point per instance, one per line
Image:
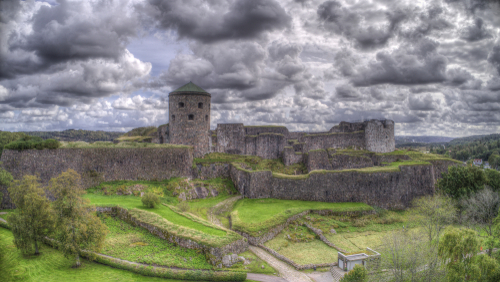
(337, 273)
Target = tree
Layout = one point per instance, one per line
(433, 213)
(481, 210)
(457, 250)
(493, 179)
(357, 274)
(461, 181)
(78, 228)
(150, 200)
(33, 217)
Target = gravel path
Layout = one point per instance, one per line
(321, 276)
(286, 271)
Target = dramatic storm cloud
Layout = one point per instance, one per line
(431, 66)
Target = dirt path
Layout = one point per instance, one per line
(221, 208)
(286, 271)
(321, 276)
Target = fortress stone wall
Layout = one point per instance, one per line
(382, 189)
(101, 164)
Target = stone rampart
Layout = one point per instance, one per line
(101, 164)
(230, 138)
(270, 145)
(334, 140)
(210, 171)
(317, 160)
(345, 161)
(379, 136)
(256, 130)
(291, 157)
(383, 189)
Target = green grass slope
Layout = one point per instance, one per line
(257, 216)
(52, 266)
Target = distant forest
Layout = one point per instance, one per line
(76, 135)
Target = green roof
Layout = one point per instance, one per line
(189, 87)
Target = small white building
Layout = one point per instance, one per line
(477, 162)
(347, 262)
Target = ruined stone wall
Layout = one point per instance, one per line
(382, 189)
(291, 157)
(379, 136)
(334, 140)
(186, 131)
(344, 161)
(349, 127)
(211, 171)
(162, 135)
(317, 160)
(295, 135)
(256, 130)
(251, 145)
(101, 164)
(230, 138)
(270, 145)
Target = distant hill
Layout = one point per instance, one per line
(471, 147)
(422, 139)
(76, 135)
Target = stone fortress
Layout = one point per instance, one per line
(189, 124)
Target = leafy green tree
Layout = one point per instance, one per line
(494, 160)
(5, 177)
(357, 274)
(493, 179)
(32, 219)
(77, 226)
(458, 250)
(150, 200)
(433, 213)
(462, 181)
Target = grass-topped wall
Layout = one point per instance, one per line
(98, 162)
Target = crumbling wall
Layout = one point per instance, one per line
(334, 140)
(345, 161)
(290, 156)
(251, 145)
(379, 136)
(162, 135)
(256, 130)
(230, 138)
(317, 160)
(101, 164)
(270, 145)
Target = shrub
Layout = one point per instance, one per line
(28, 143)
(150, 200)
(357, 274)
(184, 206)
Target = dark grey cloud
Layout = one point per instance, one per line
(422, 103)
(347, 91)
(476, 31)
(494, 57)
(244, 19)
(417, 64)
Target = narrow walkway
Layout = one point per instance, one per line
(321, 276)
(337, 273)
(286, 271)
(220, 208)
(264, 278)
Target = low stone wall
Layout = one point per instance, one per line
(213, 170)
(383, 189)
(294, 264)
(214, 255)
(101, 164)
(322, 237)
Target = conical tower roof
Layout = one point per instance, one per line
(190, 88)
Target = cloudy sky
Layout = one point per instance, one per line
(431, 66)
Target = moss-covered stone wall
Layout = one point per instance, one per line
(101, 164)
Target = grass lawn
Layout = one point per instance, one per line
(132, 202)
(255, 265)
(342, 242)
(51, 265)
(200, 207)
(255, 216)
(127, 242)
(314, 251)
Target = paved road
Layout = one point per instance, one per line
(286, 271)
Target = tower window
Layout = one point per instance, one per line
(200, 105)
(206, 118)
(173, 117)
(181, 104)
(191, 117)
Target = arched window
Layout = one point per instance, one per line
(200, 105)
(191, 117)
(173, 117)
(181, 104)
(206, 118)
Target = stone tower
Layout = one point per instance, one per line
(189, 110)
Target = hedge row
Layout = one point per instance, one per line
(33, 143)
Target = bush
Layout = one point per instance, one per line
(150, 200)
(462, 181)
(29, 143)
(183, 206)
(357, 274)
(493, 179)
